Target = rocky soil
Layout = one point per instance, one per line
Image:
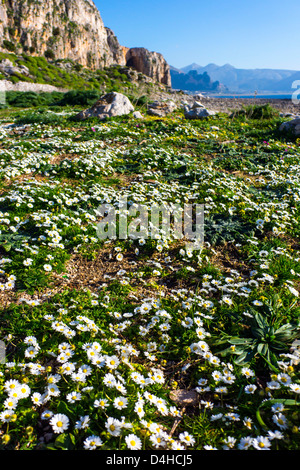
(231, 104)
(225, 105)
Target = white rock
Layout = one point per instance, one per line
(6, 85)
(197, 104)
(137, 115)
(109, 105)
(197, 113)
(9, 68)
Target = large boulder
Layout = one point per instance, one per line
(7, 67)
(197, 111)
(161, 108)
(109, 105)
(291, 126)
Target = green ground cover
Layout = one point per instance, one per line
(103, 336)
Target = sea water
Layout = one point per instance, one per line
(269, 97)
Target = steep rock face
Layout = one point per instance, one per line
(70, 29)
(152, 64)
(118, 52)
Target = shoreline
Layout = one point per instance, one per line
(285, 106)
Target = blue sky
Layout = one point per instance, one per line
(244, 33)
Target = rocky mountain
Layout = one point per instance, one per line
(247, 80)
(71, 29)
(193, 81)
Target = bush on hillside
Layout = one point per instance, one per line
(79, 98)
(258, 112)
(40, 117)
(28, 99)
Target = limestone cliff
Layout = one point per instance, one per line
(69, 29)
(149, 63)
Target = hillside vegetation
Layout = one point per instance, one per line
(68, 75)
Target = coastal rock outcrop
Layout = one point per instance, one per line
(74, 30)
(149, 63)
(71, 29)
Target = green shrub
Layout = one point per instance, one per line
(14, 79)
(142, 100)
(80, 98)
(28, 99)
(9, 45)
(49, 54)
(258, 112)
(40, 117)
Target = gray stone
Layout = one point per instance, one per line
(161, 108)
(197, 112)
(137, 115)
(198, 96)
(109, 105)
(7, 67)
(197, 104)
(6, 85)
(185, 397)
(291, 126)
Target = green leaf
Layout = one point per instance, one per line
(258, 332)
(64, 409)
(284, 401)
(262, 349)
(260, 420)
(241, 358)
(65, 441)
(261, 322)
(235, 340)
